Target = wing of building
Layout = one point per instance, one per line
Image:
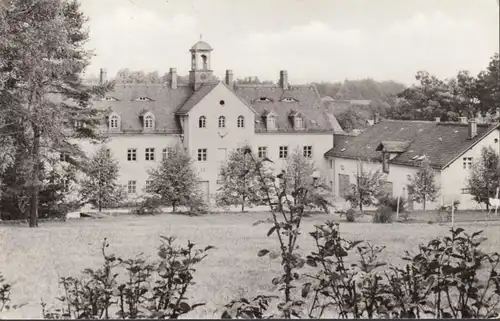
(211, 118)
(399, 148)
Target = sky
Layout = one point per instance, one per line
(314, 40)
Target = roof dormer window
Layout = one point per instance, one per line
(298, 122)
(148, 121)
(114, 122)
(289, 100)
(271, 122)
(110, 99)
(264, 99)
(143, 99)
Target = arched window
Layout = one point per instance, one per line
(298, 122)
(202, 122)
(148, 121)
(113, 121)
(222, 122)
(205, 62)
(241, 121)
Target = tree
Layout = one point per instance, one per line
(422, 184)
(175, 180)
(239, 181)
(41, 45)
(484, 177)
(253, 81)
(300, 170)
(351, 119)
(367, 187)
(100, 187)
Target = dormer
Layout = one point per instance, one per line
(289, 100)
(143, 98)
(114, 122)
(263, 100)
(390, 150)
(297, 119)
(271, 119)
(108, 98)
(148, 121)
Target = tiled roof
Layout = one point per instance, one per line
(165, 102)
(304, 99)
(440, 142)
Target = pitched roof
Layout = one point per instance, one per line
(163, 106)
(442, 143)
(195, 98)
(304, 99)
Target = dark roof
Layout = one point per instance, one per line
(196, 98)
(167, 102)
(306, 100)
(442, 143)
(163, 106)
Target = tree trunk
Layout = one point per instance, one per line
(174, 206)
(243, 204)
(35, 174)
(424, 203)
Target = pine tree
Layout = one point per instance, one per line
(239, 179)
(422, 184)
(100, 187)
(175, 180)
(41, 45)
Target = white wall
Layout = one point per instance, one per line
(398, 175)
(454, 177)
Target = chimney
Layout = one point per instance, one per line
(229, 78)
(173, 78)
(462, 120)
(472, 128)
(102, 76)
(376, 118)
(438, 119)
(284, 79)
(497, 114)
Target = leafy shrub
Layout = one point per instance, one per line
(132, 288)
(445, 211)
(4, 293)
(150, 205)
(392, 202)
(384, 214)
(350, 215)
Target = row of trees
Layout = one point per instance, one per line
(175, 182)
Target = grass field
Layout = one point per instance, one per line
(34, 259)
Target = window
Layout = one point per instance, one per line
(131, 187)
(164, 153)
(283, 151)
(308, 151)
(149, 186)
(113, 121)
(63, 157)
(131, 154)
(150, 154)
(271, 122)
(202, 122)
(222, 122)
(298, 122)
(241, 121)
(202, 155)
(262, 151)
(148, 121)
(467, 162)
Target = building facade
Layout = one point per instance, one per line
(398, 148)
(210, 119)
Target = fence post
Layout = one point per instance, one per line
(397, 209)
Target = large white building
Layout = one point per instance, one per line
(211, 118)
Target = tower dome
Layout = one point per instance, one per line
(201, 46)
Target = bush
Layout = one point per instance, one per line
(392, 202)
(384, 214)
(149, 206)
(350, 215)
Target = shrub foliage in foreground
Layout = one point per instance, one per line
(132, 288)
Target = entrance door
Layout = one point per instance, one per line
(344, 185)
(205, 189)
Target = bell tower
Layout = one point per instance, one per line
(200, 72)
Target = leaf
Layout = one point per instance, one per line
(271, 230)
(262, 252)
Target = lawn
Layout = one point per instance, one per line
(35, 258)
